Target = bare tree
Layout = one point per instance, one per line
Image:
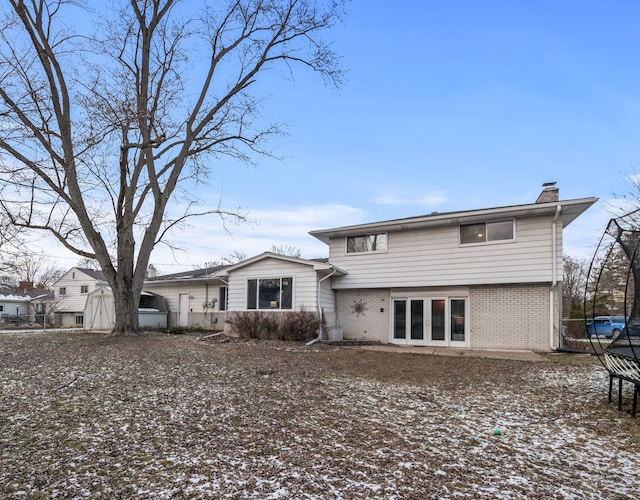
(36, 268)
(87, 263)
(101, 129)
(287, 250)
(573, 286)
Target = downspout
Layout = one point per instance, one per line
(226, 308)
(319, 337)
(554, 281)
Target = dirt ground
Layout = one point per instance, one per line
(174, 416)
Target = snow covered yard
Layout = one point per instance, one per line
(84, 415)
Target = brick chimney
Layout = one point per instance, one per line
(26, 286)
(549, 193)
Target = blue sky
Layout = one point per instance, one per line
(447, 106)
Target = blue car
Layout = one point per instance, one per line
(606, 326)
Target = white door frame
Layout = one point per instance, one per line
(410, 303)
(427, 330)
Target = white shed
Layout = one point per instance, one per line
(99, 310)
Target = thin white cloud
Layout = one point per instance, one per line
(288, 226)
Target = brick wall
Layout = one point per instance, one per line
(511, 316)
(364, 314)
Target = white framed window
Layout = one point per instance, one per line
(84, 288)
(487, 232)
(363, 243)
(63, 290)
(270, 293)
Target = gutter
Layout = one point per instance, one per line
(554, 281)
(319, 337)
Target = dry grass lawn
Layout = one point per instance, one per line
(172, 416)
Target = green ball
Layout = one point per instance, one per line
(497, 432)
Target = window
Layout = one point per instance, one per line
(84, 288)
(79, 319)
(485, 232)
(1, 308)
(270, 293)
(222, 301)
(63, 290)
(367, 243)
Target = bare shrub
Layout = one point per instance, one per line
(279, 325)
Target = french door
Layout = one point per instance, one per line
(437, 321)
(408, 322)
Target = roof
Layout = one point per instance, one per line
(569, 211)
(205, 272)
(13, 294)
(17, 294)
(94, 273)
(317, 264)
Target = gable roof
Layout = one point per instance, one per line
(317, 264)
(93, 273)
(569, 210)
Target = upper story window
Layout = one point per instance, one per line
(367, 243)
(270, 293)
(63, 290)
(84, 288)
(485, 232)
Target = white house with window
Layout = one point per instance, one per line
(70, 294)
(482, 279)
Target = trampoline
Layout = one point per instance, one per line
(611, 290)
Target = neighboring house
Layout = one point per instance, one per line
(23, 304)
(71, 292)
(14, 305)
(194, 298)
(481, 279)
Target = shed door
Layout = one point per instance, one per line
(183, 309)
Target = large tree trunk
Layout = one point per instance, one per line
(126, 308)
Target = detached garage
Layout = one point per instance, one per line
(99, 310)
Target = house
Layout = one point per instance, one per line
(22, 304)
(70, 294)
(481, 279)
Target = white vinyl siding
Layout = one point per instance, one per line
(201, 294)
(327, 302)
(73, 300)
(304, 282)
(434, 257)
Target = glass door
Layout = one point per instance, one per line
(458, 329)
(447, 325)
(408, 323)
